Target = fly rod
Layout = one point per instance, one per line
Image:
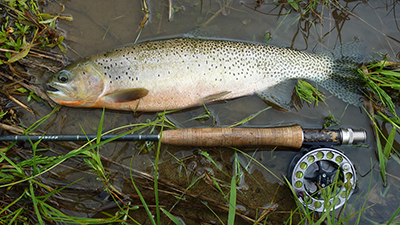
(289, 136)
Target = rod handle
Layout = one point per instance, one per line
(291, 136)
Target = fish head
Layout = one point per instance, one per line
(79, 84)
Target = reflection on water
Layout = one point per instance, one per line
(101, 25)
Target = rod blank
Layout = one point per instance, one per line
(69, 137)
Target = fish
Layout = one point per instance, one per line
(179, 73)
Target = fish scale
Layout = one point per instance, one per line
(183, 72)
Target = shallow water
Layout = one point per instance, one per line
(101, 25)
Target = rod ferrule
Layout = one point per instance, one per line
(349, 136)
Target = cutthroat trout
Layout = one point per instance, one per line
(184, 72)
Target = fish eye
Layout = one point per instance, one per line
(63, 76)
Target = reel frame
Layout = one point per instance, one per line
(312, 172)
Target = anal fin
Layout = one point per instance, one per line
(279, 95)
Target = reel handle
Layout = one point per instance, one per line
(291, 136)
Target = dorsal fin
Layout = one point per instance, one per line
(127, 95)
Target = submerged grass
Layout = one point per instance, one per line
(15, 174)
(45, 212)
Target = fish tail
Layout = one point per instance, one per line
(344, 80)
(349, 90)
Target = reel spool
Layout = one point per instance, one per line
(312, 172)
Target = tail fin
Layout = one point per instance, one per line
(349, 90)
(344, 82)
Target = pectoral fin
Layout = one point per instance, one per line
(127, 95)
(214, 96)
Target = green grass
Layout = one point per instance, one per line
(309, 93)
(18, 173)
(382, 78)
(233, 191)
(26, 27)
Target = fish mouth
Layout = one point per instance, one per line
(51, 89)
(54, 92)
(60, 96)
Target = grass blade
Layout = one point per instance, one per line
(171, 217)
(381, 156)
(389, 143)
(215, 214)
(141, 196)
(35, 203)
(100, 128)
(247, 119)
(232, 198)
(156, 176)
(12, 203)
(394, 216)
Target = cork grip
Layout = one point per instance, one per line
(281, 136)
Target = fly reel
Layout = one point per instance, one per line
(322, 178)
